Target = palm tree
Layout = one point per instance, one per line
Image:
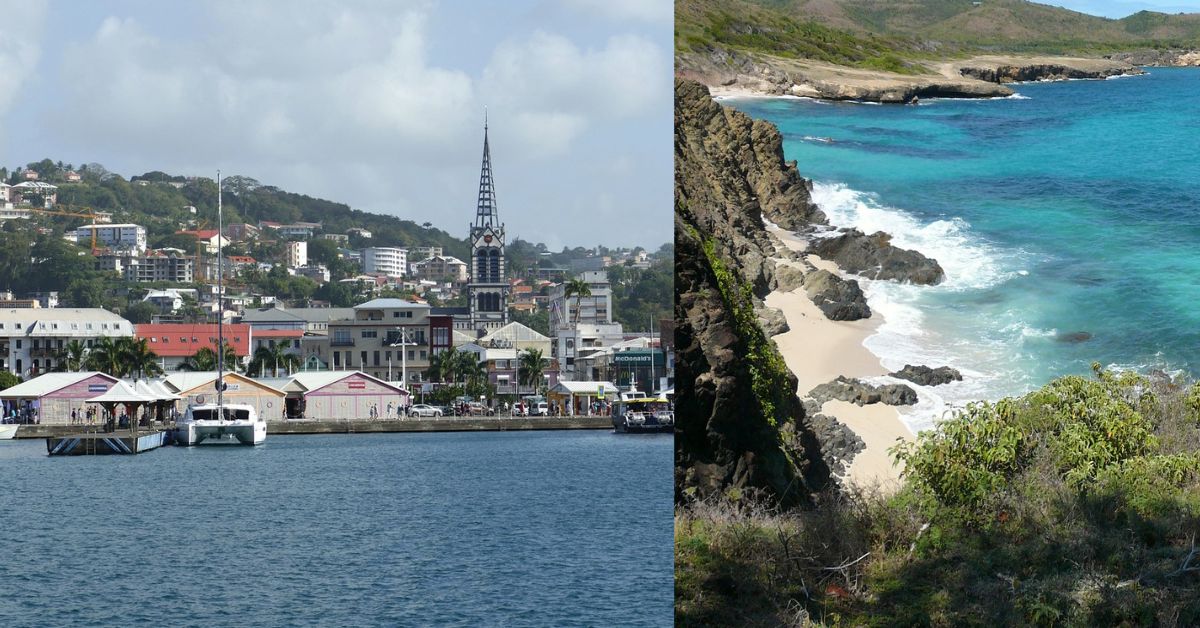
(73, 356)
(529, 369)
(441, 365)
(105, 357)
(274, 355)
(205, 359)
(579, 289)
(138, 357)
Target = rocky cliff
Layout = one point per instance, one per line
(1160, 58)
(739, 423)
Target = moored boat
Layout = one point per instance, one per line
(643, 414)
(213, 423)
(8, 431)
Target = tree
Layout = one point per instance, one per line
(205, 359)
(138, 358)
(441, 365)
(8, 380)
(579, 289)
(529, 369)
(73, 356)
(274, 356)
(105, 357)
(141, 312)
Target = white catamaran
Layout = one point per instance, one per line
(220, 421)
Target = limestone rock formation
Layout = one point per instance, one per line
(873, 256)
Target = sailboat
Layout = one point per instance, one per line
(220, 421)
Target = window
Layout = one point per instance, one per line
(370, 333)
(376, 357)
(19, 344)
(388, 356)
(423, 356)
(411, 354)
(337, 358)
(395, 314)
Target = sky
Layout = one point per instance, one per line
(1120, 8)
(377, 104)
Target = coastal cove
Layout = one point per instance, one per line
(532, 528)
(1056, 254)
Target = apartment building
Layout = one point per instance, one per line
(382, 260)
(297, 254)
(441, 268)
(384, 335)
(32, 339)
(123, 237)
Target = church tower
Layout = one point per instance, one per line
(487, 292)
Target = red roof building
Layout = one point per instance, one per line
(175, 342)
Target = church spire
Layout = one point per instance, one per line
(485, 210)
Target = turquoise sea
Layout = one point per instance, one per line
(460, 529)
(1071, 207)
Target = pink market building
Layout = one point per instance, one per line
(343, 395)
(50, 398)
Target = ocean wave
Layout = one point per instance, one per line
(969, 261)
(981, 349)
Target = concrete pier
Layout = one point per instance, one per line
(122, 442)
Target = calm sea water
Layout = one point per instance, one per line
(476, 529)
(1073, 207)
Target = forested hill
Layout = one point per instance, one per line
(160, 202)
(865, 32)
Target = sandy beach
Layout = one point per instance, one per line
(818, 350)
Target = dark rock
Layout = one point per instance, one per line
(1074, 337)
(925, 376)
(1039, 71)
(838, 299)
(772, 320)
(839, 443)
(874, 257)
(788, 277)
(726, 169)
(861, 393)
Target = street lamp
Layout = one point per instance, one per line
(403, 358)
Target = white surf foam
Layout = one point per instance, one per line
(906, 336)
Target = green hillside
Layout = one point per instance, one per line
(870, 33)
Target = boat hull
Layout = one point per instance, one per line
(221, 432)
(8, 431)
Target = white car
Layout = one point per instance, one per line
(422, 409)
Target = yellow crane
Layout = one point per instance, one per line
(58, 212)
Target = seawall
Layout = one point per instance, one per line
(351, 426)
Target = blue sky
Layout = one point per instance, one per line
(378, 104)
(1122, 8)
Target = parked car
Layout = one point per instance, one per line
(422, 409)
(539, 409)
(478, 409)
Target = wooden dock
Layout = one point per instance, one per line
(106, 443)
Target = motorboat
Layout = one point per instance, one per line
(8, 431)
(643, 414)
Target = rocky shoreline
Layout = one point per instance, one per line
(1179, 58)
(731, 72)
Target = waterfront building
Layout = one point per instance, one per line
(55, 395)
(382, 260)
(32, 339)
(198, 387)
(373, 341)
(343, 395)
(127, 237)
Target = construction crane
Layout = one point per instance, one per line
(90, 214)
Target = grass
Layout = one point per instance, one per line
(1086, 515)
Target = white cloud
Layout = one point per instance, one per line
(20, 45)
(561, 89)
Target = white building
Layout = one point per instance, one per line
(297, 254)
(594, 310)
(361, 233)
(124, 237)
(439, 268)
(388, 261)
(32, 340)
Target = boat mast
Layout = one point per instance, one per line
(220, 309)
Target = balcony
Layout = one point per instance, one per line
(42, 352)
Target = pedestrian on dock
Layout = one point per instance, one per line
(74, 416)
(389, 410)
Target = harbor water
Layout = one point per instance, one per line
(468, 529)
